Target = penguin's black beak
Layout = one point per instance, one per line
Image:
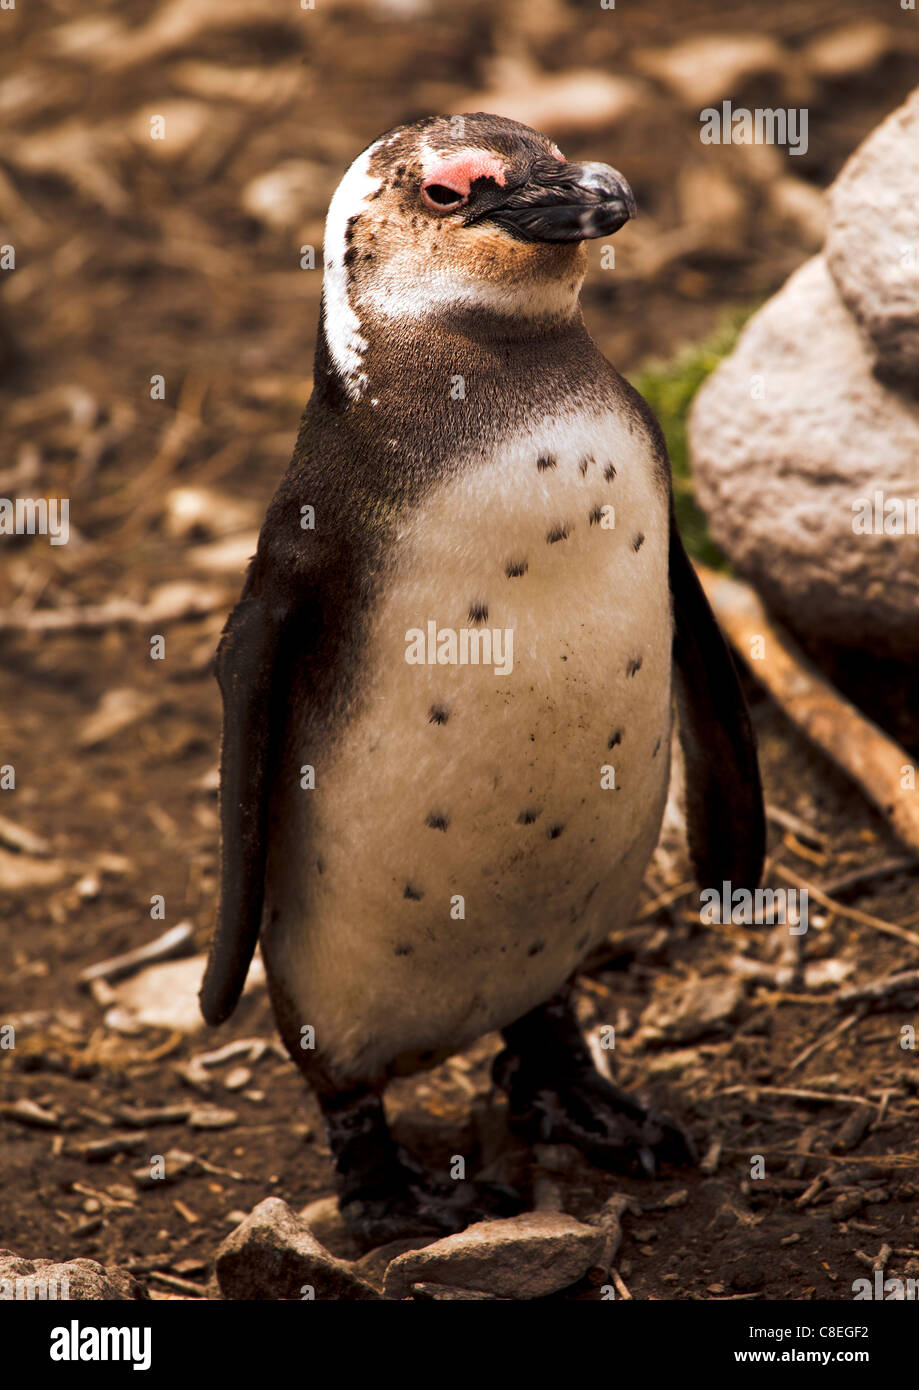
(565, 202)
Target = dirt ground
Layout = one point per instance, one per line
(135, 261)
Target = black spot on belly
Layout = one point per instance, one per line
(558, 533)
(438, 715)
(581, 942)
(320, 865)
(585, 464)
(634, 666)
(437, 822)
(415, 894)
(554, 831)
(615, 739)
(596, 515)
(515, 568)
(609, 472)
(638, 540)
(478, 612)
(405, 950)
(656, 749)
(545, 461)
(536, 948)
(528, 816)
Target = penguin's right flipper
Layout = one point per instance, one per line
(253, 664)
(724, 796)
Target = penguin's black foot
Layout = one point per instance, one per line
(609, 1126)
(410, 1202)
(384, 1194)
(557, 1096)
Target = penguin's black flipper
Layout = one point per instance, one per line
(724, 798)
(252, 673)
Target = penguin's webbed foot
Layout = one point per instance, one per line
(410, 1202)
(557, 1096)
(610, 1126)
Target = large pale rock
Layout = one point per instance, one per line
(872, 245)
(524, 1257)
(781, 476)
(273, 1254)
(73, 1280)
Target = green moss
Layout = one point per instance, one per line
(669, 387)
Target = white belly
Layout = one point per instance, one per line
(460, 867)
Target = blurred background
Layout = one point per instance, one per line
(179, 258)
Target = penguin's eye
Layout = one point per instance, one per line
(441, 198)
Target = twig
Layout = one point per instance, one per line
(890, 928)
(881, 988)
(848, 884)
(866, 754)
(794, 823)
(177, 941)
(809, 1051)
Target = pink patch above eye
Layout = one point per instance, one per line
(459, 171)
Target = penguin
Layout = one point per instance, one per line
(449, 684)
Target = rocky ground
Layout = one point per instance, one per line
(181, 259)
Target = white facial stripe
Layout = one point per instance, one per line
(395, 296)
(342, 325)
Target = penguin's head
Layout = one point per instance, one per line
(457, 214)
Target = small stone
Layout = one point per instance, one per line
(274, 1255)
(211, 1117)
(236, 1078)
(176, 1164)
(26, 1112)
(747, 1279)
(324, 1218)
(100, 1150)
(526, 1256)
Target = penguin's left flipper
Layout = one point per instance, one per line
(253, 670)
(724, 799)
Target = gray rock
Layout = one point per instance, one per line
(73, 1280)
(524, 1257)
(274, 1255)
(872, 245)
(787, 436)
